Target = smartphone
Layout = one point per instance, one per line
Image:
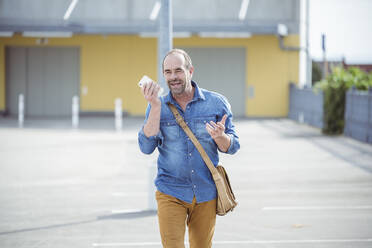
(144, 80)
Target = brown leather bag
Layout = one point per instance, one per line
(226, 201)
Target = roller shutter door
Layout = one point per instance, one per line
(221, 70)
(47, 76)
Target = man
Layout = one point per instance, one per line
(186, 192)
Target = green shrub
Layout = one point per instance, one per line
(361, 80)
(335, 87)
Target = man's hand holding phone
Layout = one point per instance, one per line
(150, 90)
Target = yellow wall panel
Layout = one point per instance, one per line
(143, 61)
(103, 67)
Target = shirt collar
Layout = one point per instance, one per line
(198, 95)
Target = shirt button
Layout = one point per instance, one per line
(194, 186)
(192, 171)
(190, 154)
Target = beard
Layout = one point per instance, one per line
(177, 86)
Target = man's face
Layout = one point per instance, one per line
(176, 74)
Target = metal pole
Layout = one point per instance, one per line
(165, 37)
(325, 63)
(308, 57)
(151, 202)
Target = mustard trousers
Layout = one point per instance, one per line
(174, 214)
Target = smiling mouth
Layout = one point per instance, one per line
(175, 83)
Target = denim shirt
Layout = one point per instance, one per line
(182, 172)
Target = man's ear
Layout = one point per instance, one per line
(191, 70)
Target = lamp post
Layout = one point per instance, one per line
(165, 37)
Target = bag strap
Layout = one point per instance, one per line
(194, 140)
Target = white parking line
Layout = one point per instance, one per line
(316, 207)
(125, 194)
(294, 241)
(126, 211)
(125, 244)
(308, 241)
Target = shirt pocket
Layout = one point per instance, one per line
(200, 130)
(170, 130)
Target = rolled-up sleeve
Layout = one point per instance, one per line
(147, 144)
(234, 144)
(230, 128)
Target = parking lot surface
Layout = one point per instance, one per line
(92, 187)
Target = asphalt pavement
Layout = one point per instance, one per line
(92, 187)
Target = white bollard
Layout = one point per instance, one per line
(118, 114)
(152, 205)
(75, 111)
(21, 110)
(301, 117)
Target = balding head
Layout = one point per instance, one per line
(187, 59)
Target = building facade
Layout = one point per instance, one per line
(253, 71)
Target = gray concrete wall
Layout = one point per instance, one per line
(306, 106)
(358, 115)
